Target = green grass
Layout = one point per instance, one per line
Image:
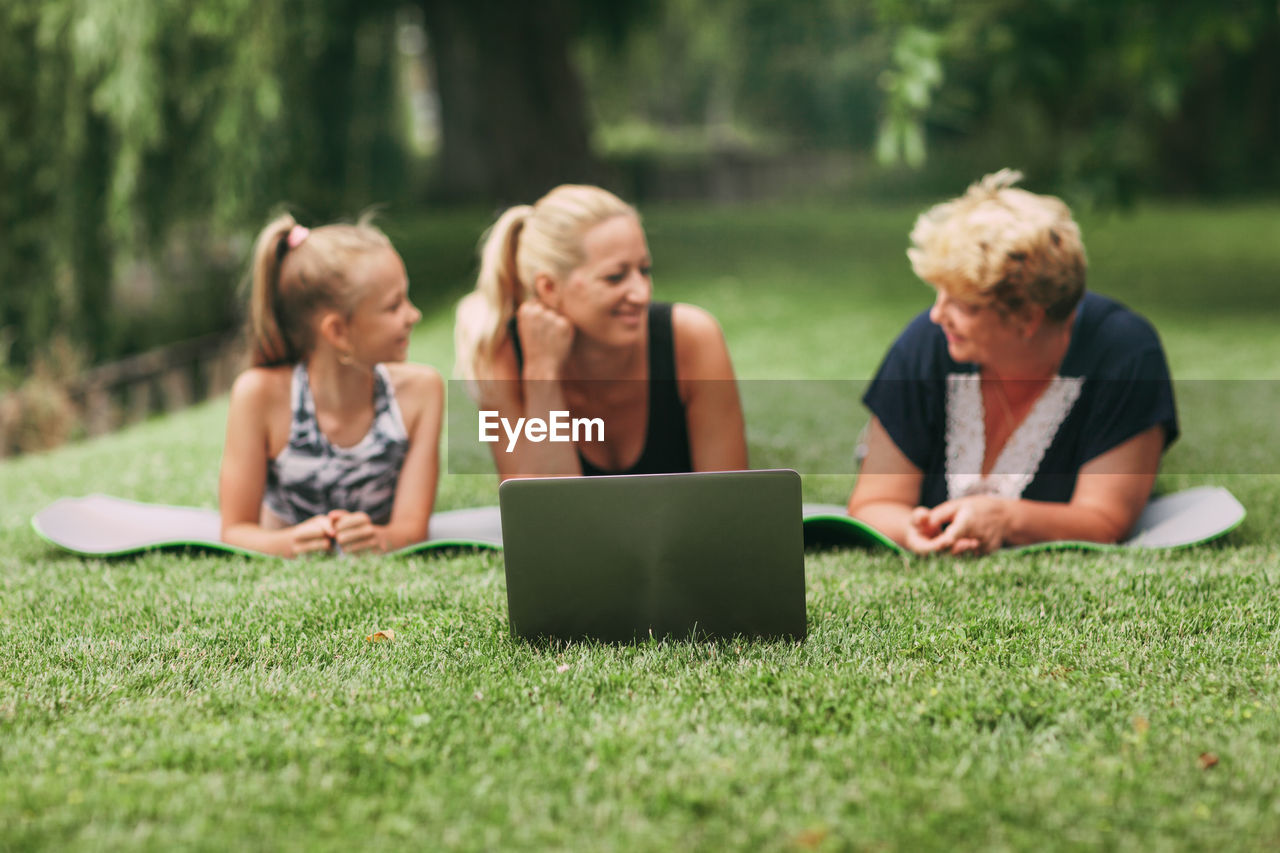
(1062, 700)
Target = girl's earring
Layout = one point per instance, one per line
(346, 359)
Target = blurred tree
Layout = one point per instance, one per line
(809, 70)
(512, 109)
(124, 121)
(1104, 99)
(1112, 99)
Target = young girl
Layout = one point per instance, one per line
(331, 439)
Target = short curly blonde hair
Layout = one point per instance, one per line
(1004, 247)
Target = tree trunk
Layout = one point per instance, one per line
(512, 111)
(90, 251)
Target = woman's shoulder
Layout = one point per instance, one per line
(1110, 331)
(694, 323)
(496, 381)
(700, 348)
(1105, 317)
(921, 331)
(919, 351)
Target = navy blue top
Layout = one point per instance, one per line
(666, 442)
(1126, 390)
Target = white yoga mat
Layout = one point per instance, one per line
(1176, 520)
(102, 525)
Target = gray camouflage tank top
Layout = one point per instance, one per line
(311, 476)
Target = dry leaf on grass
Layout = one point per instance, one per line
(810, 838)
(384, 636)
(1207, 760)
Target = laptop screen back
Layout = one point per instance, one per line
(624, 558)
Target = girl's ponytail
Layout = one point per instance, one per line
(269, 345)
(484, 313)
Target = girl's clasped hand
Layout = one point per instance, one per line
(336, 530)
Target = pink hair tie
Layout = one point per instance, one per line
(297, 234)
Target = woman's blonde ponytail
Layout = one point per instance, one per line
(484, 313)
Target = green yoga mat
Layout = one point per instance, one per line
(1177, 520)
(105, 526)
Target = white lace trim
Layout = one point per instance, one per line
(1022, 454)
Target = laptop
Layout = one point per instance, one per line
(628, 557)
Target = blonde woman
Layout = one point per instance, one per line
(562, 320)
(1019, 408)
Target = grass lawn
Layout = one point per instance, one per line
(1061, 700)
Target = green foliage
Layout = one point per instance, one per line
(123, 118)
(807, 69)
(908, 89)
(1104, 101)
(1113, 99)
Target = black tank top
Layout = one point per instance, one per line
(666, 440)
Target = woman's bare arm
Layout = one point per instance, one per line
(713, 408)
(887, 491)
(533, 392)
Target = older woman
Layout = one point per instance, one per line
(562, 320)
(1019, 408)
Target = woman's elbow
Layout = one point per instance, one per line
(877, 489)
(1110, 525)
